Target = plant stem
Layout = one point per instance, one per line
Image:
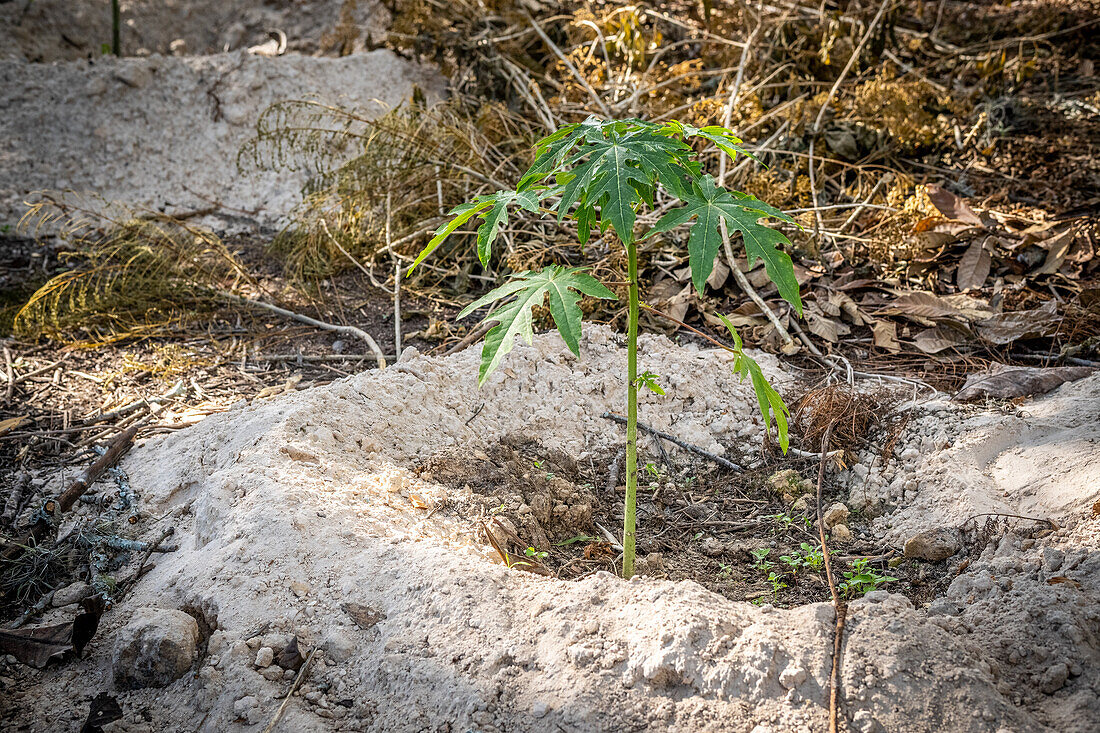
(116, 45)
(629, 513)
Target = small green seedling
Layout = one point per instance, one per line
(812, 557)
(777, 584)
(761, 557)
(792, 561)
(725, 571)
(532, 552)
(601, 173)
(652, 470)
(861, 579)
(578, 538)
(648, 380)
(783, 519)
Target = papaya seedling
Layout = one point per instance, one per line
(600, 173)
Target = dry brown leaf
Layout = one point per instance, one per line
(973, 267)
(1063, 580)
(1007, 383)
(1008, 327)
(847, 307)
(1057, 248)
(886, 335)
(718, 275)
(923, 307)
(951, 205)
(12, 423)
(36, 646)
(821, 325)
(940, 338)
(365, 617)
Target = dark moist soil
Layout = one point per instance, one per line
(696, 522)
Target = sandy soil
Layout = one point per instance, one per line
(294, 509)
(163, 133)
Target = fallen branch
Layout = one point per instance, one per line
(10, 372)
(676, 441)
(838, 604)
(176, 390)
(290, 693)
(63, 503)
(471, 337)
(345, 330)
(133, 579)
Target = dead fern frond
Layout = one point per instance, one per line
(134, 277)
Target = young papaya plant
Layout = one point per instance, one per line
(601, 173)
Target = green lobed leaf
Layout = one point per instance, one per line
(770, 401)
(709, 203)
(493, 210)
(563, 286)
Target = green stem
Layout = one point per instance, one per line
(116, 45)
(630, 510)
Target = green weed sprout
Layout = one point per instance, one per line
(601, 173)
(862, 579)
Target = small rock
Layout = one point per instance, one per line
(178, 47)
(789, 481)
(242, 707)
(156, 648)
(264, 657)
(652, 564)
(540, 709)
(933, 544)
(876, 596)
(1054, 678)
(1052, 561)
(299, 588)
(943, 607)
(800, 504)
(840, 533)
(339, 346)
(792, 677)
(272, 673)
(74, 593)
(836, 514)
(338, 645)
(254, 643)
(712, 546)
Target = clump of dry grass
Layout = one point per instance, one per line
(852, 414)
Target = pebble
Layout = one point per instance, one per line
(272, 673)
(841, 533)
(836, 514)
(74, 593)
(242, 706)
(156, 648)
(933, 544)
(792, 677)
(264, 657)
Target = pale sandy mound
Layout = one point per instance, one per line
(291, 509)
(163, 132)
(64, 30)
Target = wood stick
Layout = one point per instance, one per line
(676, 441)
(118, 448)
(346, 330)
(290, 693)
(10, 371)
(838, 604)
